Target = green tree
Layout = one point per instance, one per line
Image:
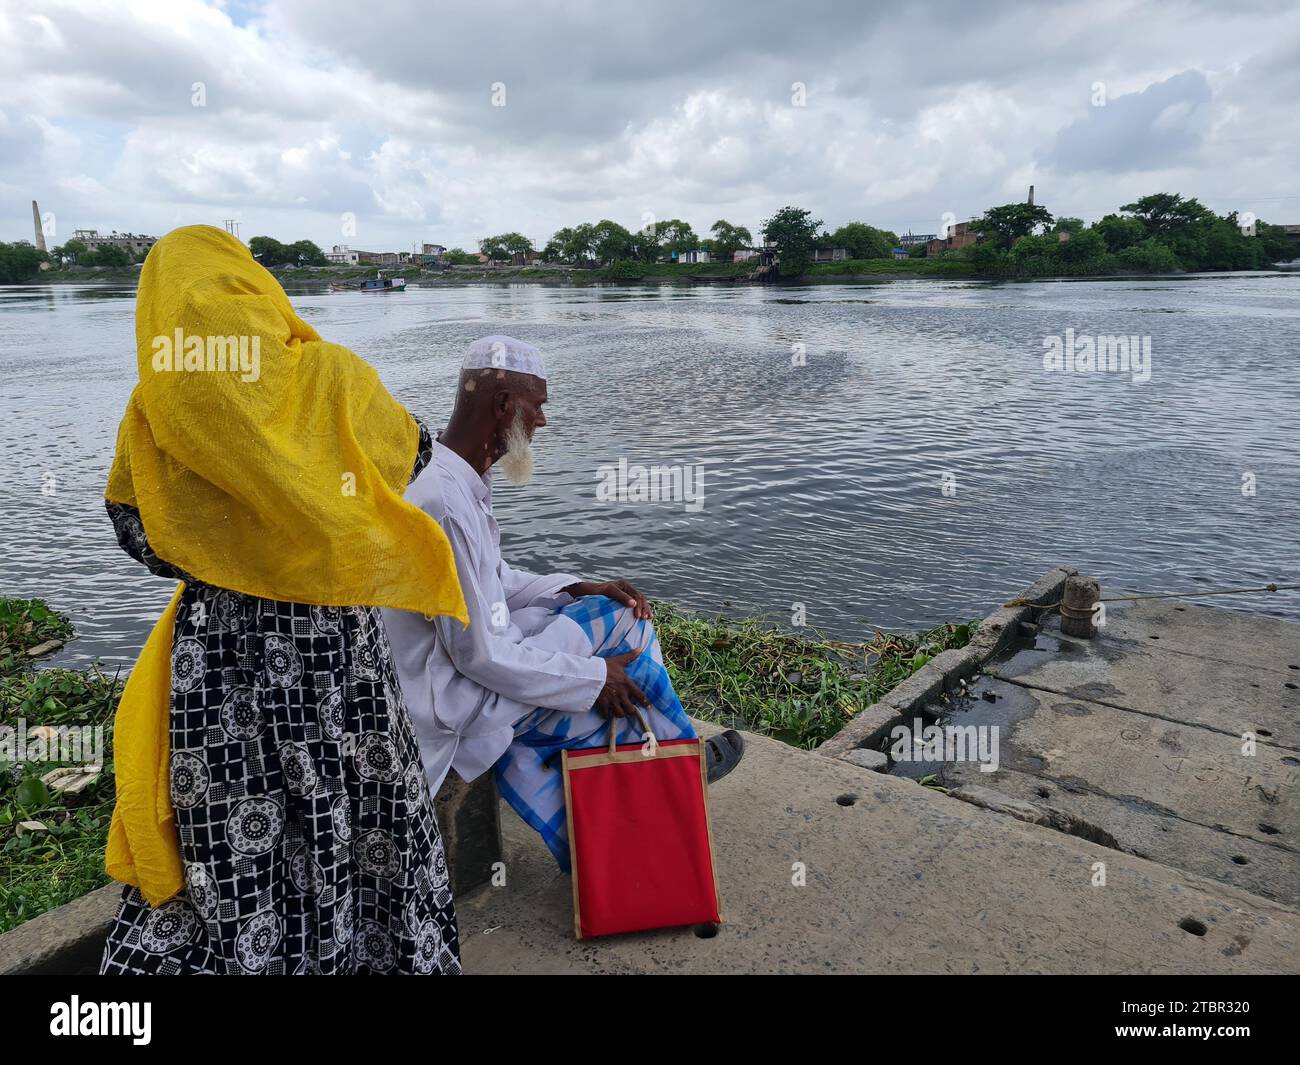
(1120, 232)
(495, 248)
(305, 253)
(1149, 255)
(111, 256)
(1274, 245)
(1007, 223)
(673, 237)
(569, 245)
(794, 232)
(863, 241)
(1066, 224)
(19, 262)
(74, 250)
(460, 257)
(268, 251)
(1084, 247)
(729, 239)
(610, 241)
(1166, 214)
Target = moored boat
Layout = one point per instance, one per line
(371, 284)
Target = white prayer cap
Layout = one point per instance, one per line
(504, 353)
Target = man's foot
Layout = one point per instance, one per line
(724, 752)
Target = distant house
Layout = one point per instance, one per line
(526, 258)
(437, 251)
(343, 255)
(829, 255)
(134, 243)
(381, 258)
(696, 256)
(901, 253)
(907, 240)
(743, 255)
(959, 236)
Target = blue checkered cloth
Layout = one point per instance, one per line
(528, 775)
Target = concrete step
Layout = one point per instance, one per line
(898, 878)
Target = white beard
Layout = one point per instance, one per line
(518, 461)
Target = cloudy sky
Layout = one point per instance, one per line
(449, 121)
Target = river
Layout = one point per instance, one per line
(920, 465)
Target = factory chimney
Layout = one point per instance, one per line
(40, 233)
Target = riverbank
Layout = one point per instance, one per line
(849, 271)
(53, 825)
(738, 672)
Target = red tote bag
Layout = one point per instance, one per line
(639, 836)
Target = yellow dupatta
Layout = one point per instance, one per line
(263, 460)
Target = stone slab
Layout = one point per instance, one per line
(898, 879)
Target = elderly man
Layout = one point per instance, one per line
(548, 661)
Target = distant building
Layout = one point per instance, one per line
(959, 236)
(699, 255)
(901, 253)
(343, 255)
(134, 243)
(437, 251)
(743, 255)
(907, 240)
(382, 258)
(829, 255)
(528, 258)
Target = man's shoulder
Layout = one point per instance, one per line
(439, 494)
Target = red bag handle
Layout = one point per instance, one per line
(613, 731)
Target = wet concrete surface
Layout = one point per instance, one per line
(1173, 734)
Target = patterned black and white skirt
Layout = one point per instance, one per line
(306, 828)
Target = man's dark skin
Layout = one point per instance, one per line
(487, 403)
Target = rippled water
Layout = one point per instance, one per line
(823, 483)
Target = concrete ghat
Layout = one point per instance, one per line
(905, 879)
(1141, 737)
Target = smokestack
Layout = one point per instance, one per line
(1031, 195)
(36, 221)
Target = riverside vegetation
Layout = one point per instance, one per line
(1157, 234)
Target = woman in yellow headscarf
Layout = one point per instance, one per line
(272, 812)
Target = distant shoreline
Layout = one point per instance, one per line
(697, 277)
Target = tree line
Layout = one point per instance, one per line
(605, 243)
(1159, 233)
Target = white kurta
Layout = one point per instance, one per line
(466, 688)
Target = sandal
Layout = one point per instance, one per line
(724, 754)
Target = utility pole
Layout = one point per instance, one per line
(232, 227)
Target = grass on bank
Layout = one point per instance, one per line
(798, 688)
(43, 869)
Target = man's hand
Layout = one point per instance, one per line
(620, 591)
(620, 696)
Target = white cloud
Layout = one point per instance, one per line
(619, 108)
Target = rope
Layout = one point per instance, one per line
(1157, 595)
